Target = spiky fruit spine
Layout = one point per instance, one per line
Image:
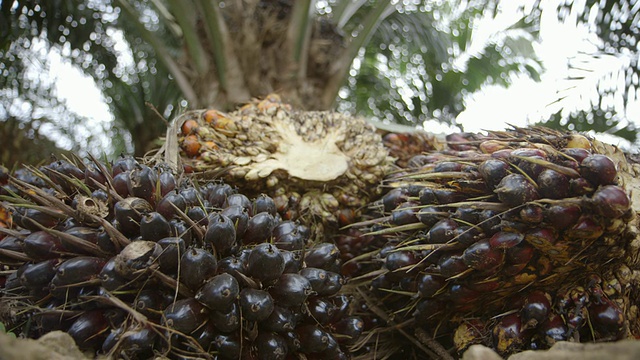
(313, 164)
(508, 232)
(153, 265)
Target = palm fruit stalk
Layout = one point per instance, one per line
(320, 167)
(134, 262)
(515, 240)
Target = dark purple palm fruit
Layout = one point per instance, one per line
(218, 194)
(74, 273)
(492, 171)
(536, 308)
(11, 245)
(461, 296)
(128, 214)
(89, 330)
(221, 234)
(37, 277)
(394, 198)
(447, 166)
(313, 339)
(228, 346)
(123, 164)
(611, 201)
(120, 184)
(219, 292)
(240, 200)
(451, 264)
(281, 320)
(441, 232)
(265, 263)
(142, 183)
(167, 182)
(587, 227)
(256, 304)
(531, 214)
(482, 256)
(234, 265)
(578, 154)
(349, 329)
(193, 196)
(553, 185)
(581, 186)
(429, 215)
(429, 284)
(325, 256)
(292, 261)
(405, 213)
(197, 266)
(515, 189)
(150, 303)
(321, 310)
(205, 336)
(12, 284)
(259, 228)
(552, 330)
(323, 282)
(271, 346)
(264, 203)
(61, 171)
(41, 245)
(138, 342)
(109, 277)
(239, 218)
(180, 229)
(172, 250)
(505, 239)
(466, 235)
(226, 320)
(288, 235)
(169, 205)
(198, 215)
(489, 221)
(562, 216)
(34, 219)
(518, 257)
(94, 176)
(291, 290)
(185, 315)
(599, 169)
(530, 165)
(399, 262)
(154, 226)
(80, 240)
(607, 319)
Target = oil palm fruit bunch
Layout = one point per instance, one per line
(134, 262)
(516, 239)
(405, 145)
(320, 167)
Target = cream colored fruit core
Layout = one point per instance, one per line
(319, 160)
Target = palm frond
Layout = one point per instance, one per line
(161, 51)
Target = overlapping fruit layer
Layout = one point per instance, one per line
(319, 166)
(134, 262)
(515, 240)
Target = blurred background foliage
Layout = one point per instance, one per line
(393, 61)
(605, 80)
